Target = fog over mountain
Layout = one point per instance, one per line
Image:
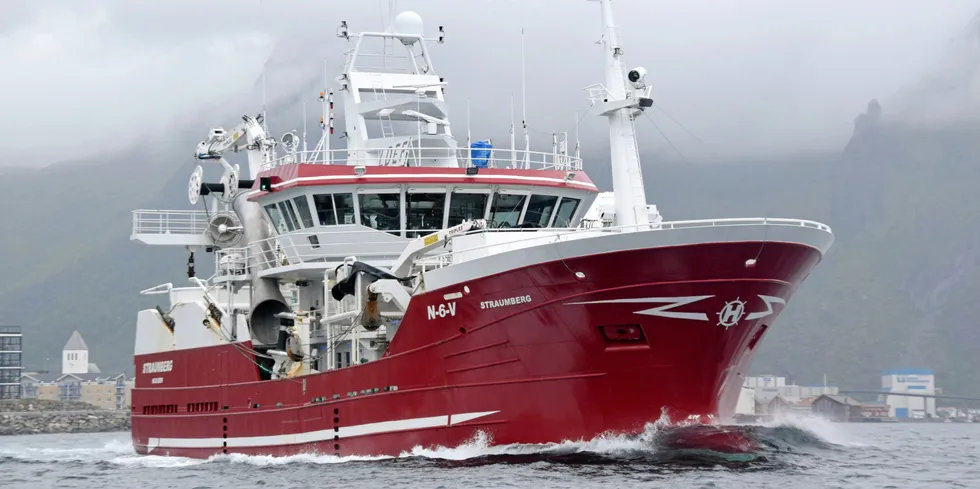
(109, 99)
(753, 77)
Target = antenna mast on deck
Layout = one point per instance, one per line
(621, 105)
(527, 141)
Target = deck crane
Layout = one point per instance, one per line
(250, 136)
(237, 219)
(225, 226)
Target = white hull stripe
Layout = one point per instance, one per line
(457, 178)
(672, 302)
(317, 436)
(769, 300)
(662, 311)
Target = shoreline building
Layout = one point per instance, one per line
(910, 381)
(11, 358)
(768, 387)
(79, 380)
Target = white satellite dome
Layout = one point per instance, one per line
(409, 23)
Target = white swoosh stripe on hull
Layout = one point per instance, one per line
(662, 311)
(317, 436)
(769, 300)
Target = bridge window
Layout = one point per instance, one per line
(288, 215)
(424, 211)
(344, 203)
(381, 211)
(303, 207)
(324, 209)
(277, 221)
(467, 207)
(506, 209)
(333, 209)
(566, 209)
(539, 211)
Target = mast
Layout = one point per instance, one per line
(527, 142)
(513, 135)
(620, 106)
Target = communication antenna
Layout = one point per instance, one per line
(304, 126)
(527, 141)
(513, 135)
(265, 120)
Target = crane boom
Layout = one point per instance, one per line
(248, 135)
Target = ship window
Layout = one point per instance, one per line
(290, 220)
(303, 207)
(539, 210)
(344, 203)
(381, 211)
(333, 209)
(506, 210)
(425, 211)
(466, 207)
(291, 216)
(324, 209)
(277, 221)
(566, 209)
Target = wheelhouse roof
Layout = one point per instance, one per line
(299, 175)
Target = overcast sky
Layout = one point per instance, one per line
(748, 77)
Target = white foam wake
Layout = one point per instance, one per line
(116, 448)
(823, 428)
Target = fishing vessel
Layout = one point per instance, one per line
(407, 290)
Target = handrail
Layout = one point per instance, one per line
(410, 155)
(312, 247)
(445, 258)
(150, 221)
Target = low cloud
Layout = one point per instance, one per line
(748, 77)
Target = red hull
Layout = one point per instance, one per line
(535, 370)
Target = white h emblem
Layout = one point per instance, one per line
(731, 314)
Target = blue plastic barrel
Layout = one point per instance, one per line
(480, 153)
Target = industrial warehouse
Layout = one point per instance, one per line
(904, 395)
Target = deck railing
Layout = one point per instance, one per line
(415, 156)
(333, 246)
(169, 222)
(447, 258)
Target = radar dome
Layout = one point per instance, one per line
(409, 23)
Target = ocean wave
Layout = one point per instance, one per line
(653, 445)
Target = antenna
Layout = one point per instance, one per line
(304, 127)
(265, 119)
(577, 147)
(513, 135)
(527, 141)
(469, 139)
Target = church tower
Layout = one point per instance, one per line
(74, 356)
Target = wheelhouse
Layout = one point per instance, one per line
(322, 212)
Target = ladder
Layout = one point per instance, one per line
(387, 127)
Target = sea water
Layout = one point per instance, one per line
(799, 452)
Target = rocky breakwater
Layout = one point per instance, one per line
(34, 416)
